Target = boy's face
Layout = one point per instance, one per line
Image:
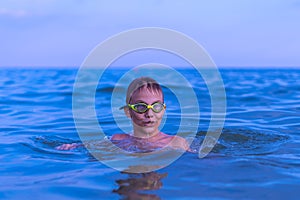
(149, 121)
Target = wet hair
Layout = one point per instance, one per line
(142, 83)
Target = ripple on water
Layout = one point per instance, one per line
(232, 142)
(238, 142)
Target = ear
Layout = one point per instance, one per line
(163, 112)
(127, 112)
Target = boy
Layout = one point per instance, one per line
(145, 107)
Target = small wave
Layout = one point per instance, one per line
(44, 147)
(239, 142)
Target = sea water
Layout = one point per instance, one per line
(256, 157)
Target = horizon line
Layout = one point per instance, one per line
(178, 67)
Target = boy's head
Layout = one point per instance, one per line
(146, 91)
(143, 84)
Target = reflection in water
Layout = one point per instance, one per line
(135, 186)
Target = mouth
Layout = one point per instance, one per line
(149, 123)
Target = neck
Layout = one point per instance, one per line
(142, 133)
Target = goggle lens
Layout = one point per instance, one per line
(142, 107)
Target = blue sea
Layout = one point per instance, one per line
(256, 157)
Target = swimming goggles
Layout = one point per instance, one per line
(143, 107)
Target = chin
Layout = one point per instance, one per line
(149, 129)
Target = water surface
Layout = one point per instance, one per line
(257, 155)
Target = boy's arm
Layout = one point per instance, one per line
(68, 146)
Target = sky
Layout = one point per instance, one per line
(238, 33)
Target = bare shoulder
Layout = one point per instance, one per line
(180, 142)
(119, 136)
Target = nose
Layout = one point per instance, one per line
(149, 113)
